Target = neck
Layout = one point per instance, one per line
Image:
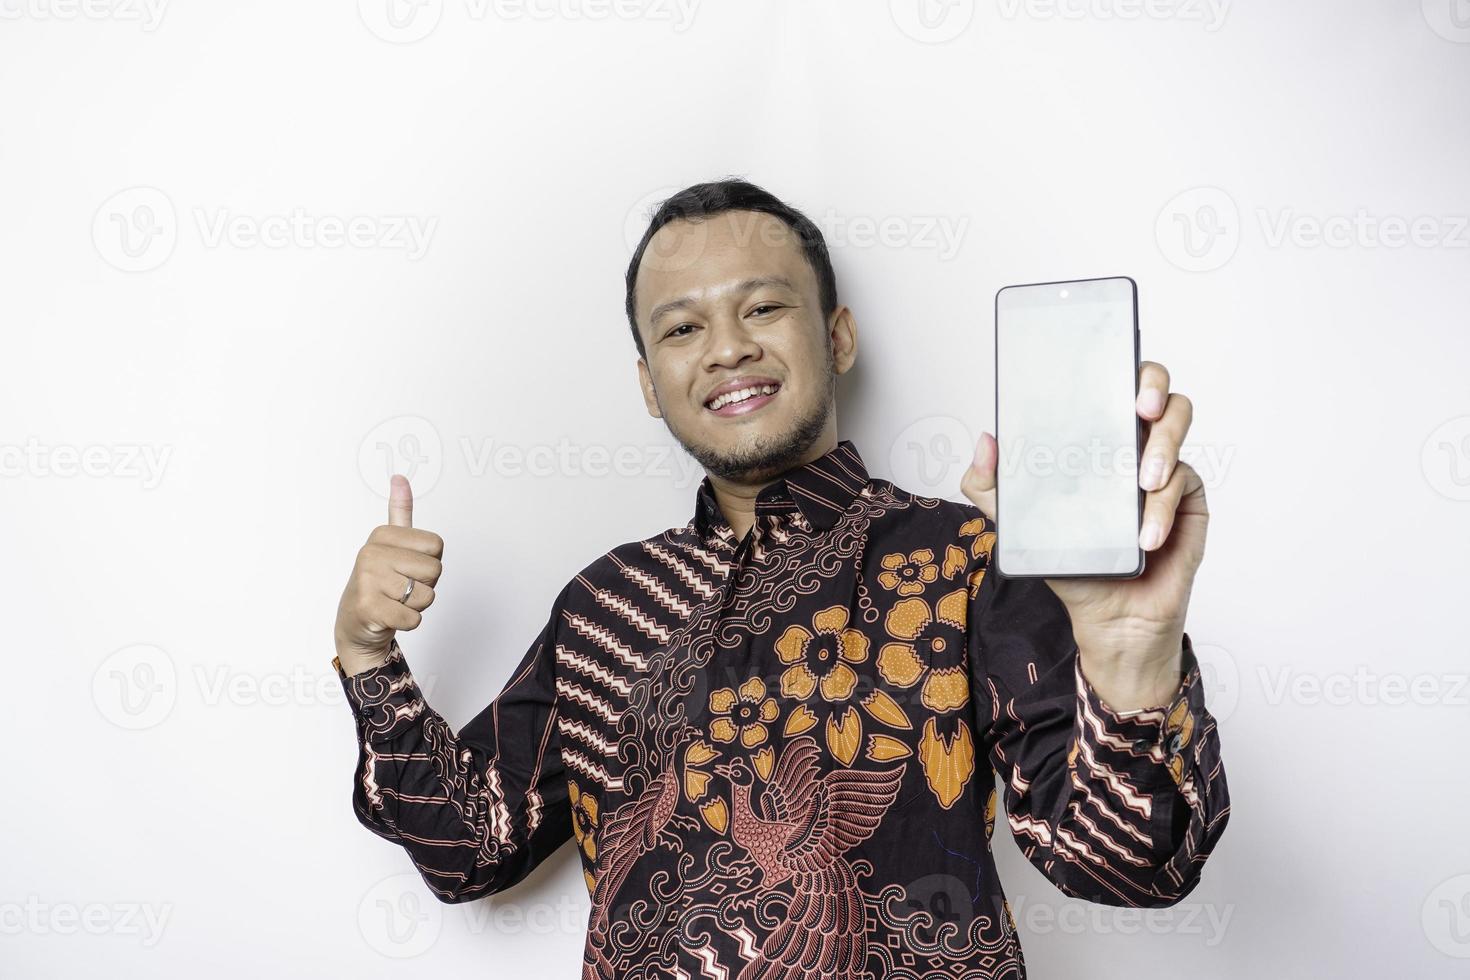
(740, 812)
(736, 498)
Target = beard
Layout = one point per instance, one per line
(770, 457)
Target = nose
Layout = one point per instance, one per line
(730, 343)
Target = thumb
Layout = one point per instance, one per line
(400, 502)
(978, 483)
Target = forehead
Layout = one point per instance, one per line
(696, 258)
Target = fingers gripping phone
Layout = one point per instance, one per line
(1068, 503)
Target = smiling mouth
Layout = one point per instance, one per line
(743, 401)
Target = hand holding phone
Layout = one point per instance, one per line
(1128, 626)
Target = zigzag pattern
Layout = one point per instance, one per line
(573, 759)
(682, 571)
(604, 638)
(591, 668)
(634, 616)
(581, 731)
(588, 700)
(658, 592)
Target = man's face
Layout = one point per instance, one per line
(732, 299)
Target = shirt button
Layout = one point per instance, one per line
(365, 712)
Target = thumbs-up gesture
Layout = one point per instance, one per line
(390, 586)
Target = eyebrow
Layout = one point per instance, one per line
(684, 302)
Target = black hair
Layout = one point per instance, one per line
(701, 201)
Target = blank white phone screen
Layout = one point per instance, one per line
(1066, 384)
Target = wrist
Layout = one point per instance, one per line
(1133, 670)
(351, 660)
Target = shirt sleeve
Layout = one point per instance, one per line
(478, 810)
(1115, 807)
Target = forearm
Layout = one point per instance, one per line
(462, 820)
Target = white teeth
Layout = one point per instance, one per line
(731, 397)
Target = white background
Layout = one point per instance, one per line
(176, 744)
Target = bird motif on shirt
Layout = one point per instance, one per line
(633, 830)
(798, 829)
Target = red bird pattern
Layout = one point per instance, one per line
(803, 825)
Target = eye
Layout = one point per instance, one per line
(764, 306)
(675, 332)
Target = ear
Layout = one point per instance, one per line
(844, 339)
(650, 397)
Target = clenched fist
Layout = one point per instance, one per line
(374, 605)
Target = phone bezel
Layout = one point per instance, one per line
(1137, 430)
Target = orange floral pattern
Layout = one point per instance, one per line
(907, 575)
(742, 714)
(929, 648)
(821, 658)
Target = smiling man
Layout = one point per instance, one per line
(781, 733)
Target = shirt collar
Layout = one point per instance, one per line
(821, 490)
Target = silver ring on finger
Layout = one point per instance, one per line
(407, 591)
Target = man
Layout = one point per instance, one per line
(774, 732)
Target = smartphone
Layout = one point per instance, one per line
(1068, 503)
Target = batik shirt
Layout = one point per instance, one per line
(784, 755)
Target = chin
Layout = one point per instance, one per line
(757, 450)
